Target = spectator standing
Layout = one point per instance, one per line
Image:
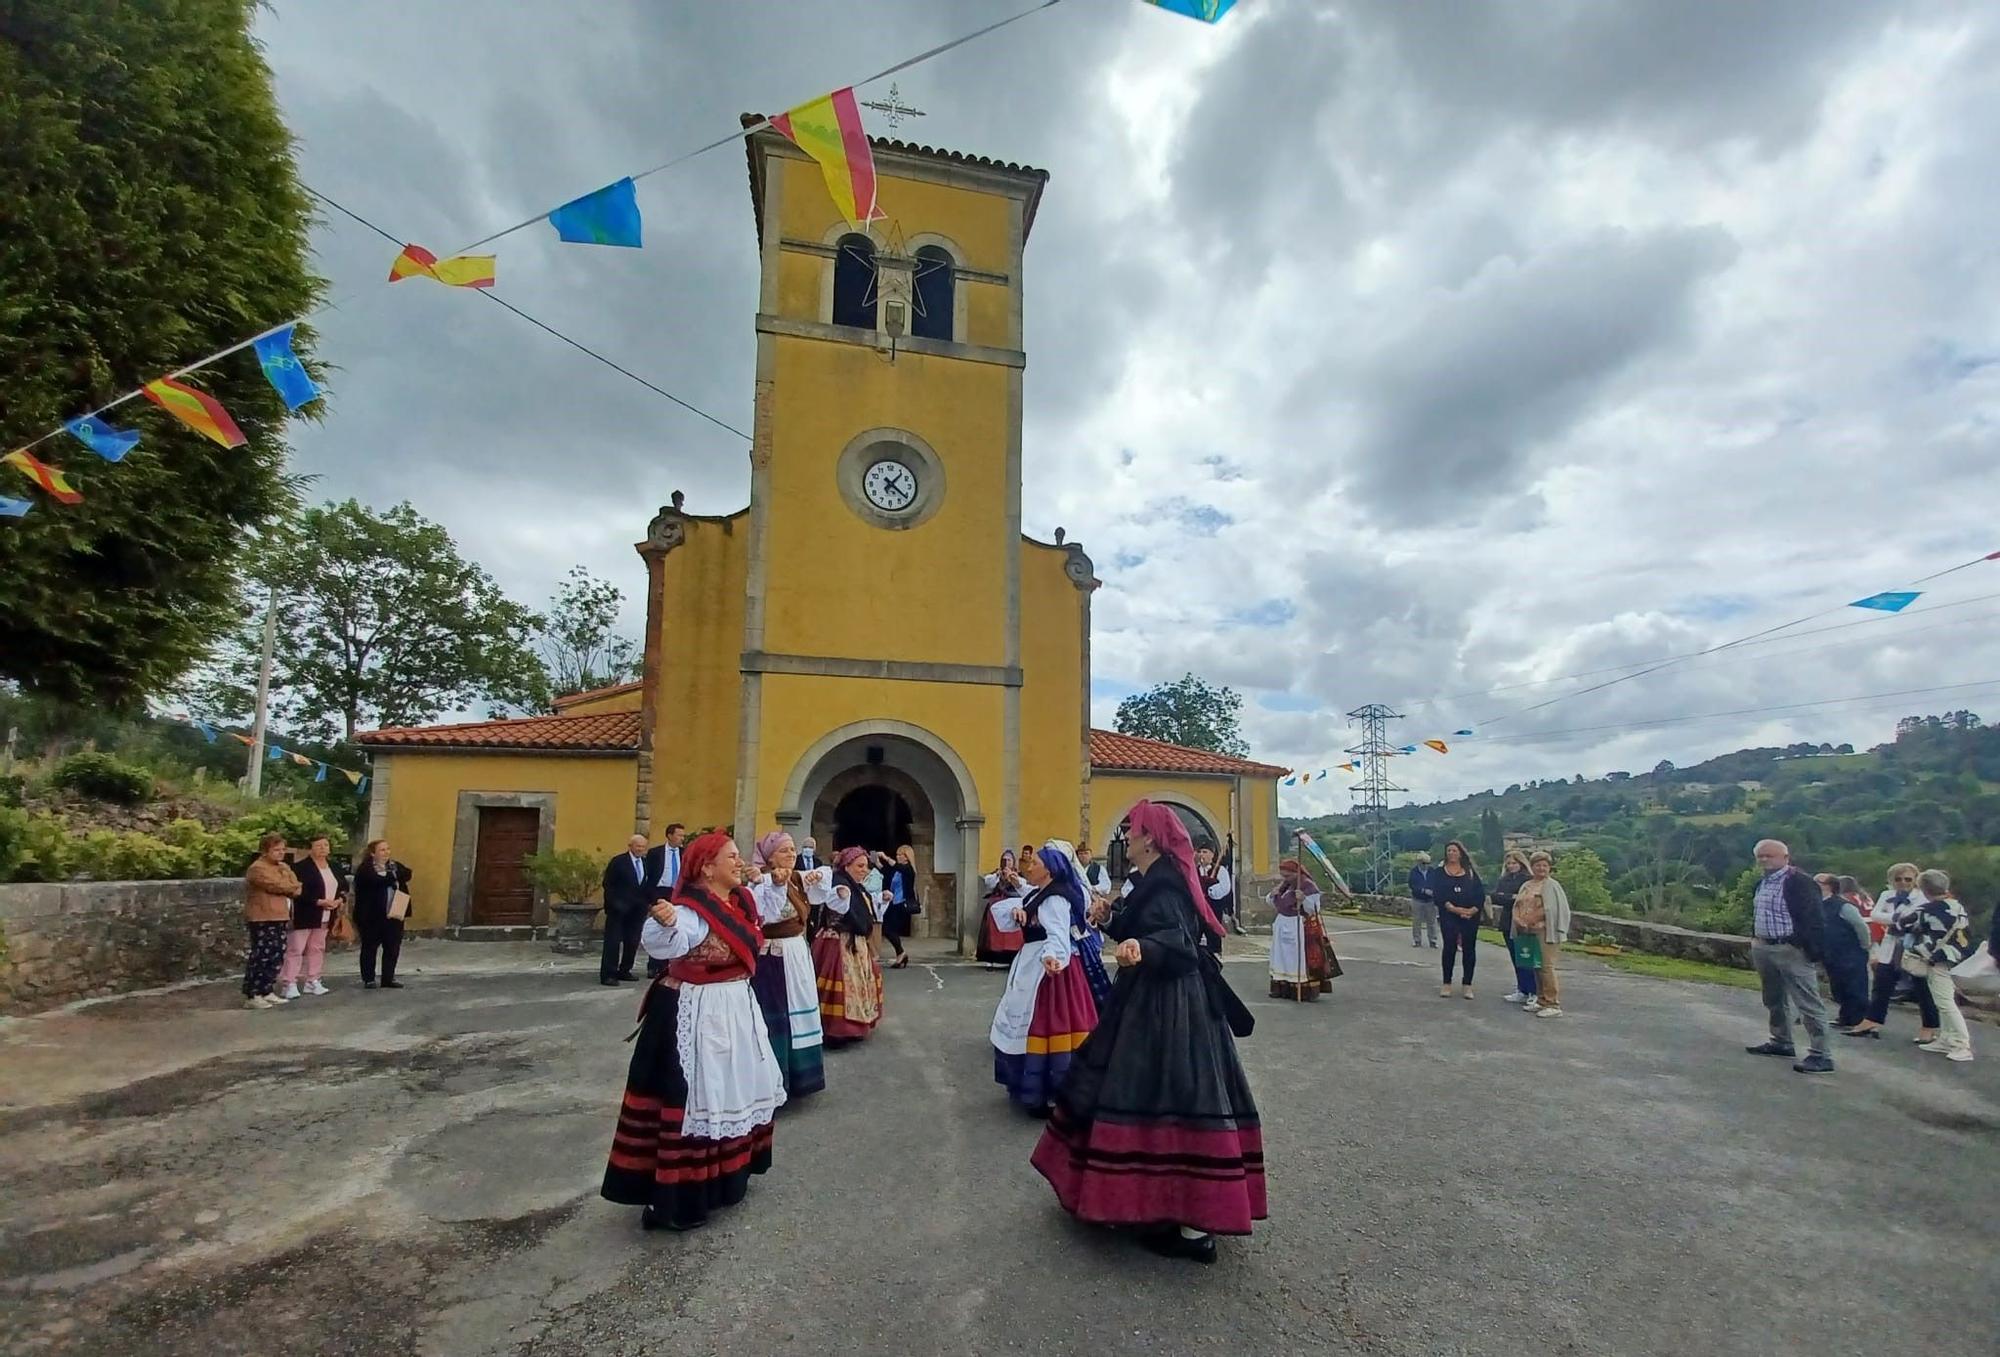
(322, 894)
(377, 882)
(268, 888)
(629, 892)
(1541, 918)
(1461, 900)
(1938, 937)
(663, 867)
(1423, 903)
(1886, 957)
(1514, 874)
(1786, 916)
(1847, 944)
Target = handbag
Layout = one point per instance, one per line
(1915, 965)
(399, 904)
(1529, 911)
(341, 930)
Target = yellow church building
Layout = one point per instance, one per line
(870, 651)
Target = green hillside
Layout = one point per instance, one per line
(1675, 842)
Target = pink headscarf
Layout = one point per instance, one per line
(1170, 836)
(847, 855)
(769, 847)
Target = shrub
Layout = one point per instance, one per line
(13, 840)
(43, 849)
(13, 790)
(104, 778)
(569, 874)
(108, 855)
(296, 820)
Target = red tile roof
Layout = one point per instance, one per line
(598, 732)
(591, 694)
(1113, 752)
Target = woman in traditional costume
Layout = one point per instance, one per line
(1302, 960)
(997, 946)
(1083, 932)
(1155, 1126)
(1047, 1009)
(696, 1121)
(849, 976)
(786, 985)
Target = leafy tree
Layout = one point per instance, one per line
(1189, 711)
(1492, 842)
(153, 216)
(1583, 877)
(380, 622)
(578, 641)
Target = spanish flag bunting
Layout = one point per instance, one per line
(1305, 777)
(1438, 745)
(241, 739)
(351, 775)
(464, 270)
(200, 412)
(829, 130)
(42, 474)
(301, 760)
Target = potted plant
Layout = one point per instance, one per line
(569, 877)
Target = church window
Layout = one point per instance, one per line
(854, 282)
(934, 299)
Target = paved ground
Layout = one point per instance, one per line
(416, 1172)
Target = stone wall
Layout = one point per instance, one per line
(78, 939)
(1635, 935)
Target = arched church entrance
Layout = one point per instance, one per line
(878, 785)
(1192, 817)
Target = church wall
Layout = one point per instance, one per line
(935, 592)
(593, 809)
(701, 683)
(600, 706)
(1052, 703)
(799, 709)
(1260, 819)
(1113, 794)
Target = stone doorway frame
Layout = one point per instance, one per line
(465, 847)
(970, 819)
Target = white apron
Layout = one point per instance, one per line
(1016, 1012)
(801, 992)
(734, 1085)
(1288, 949)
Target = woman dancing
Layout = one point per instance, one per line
(1155, 1126)
(786, 985)
(1046, 1010)
(849, 976)
(703, 1086)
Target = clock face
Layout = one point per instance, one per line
(890, 486)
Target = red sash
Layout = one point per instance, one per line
(733, 923)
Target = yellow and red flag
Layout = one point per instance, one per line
(1438, 745)
(201, 412)
(461, 270)
(829, 130)
(42, 474)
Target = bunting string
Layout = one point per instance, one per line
(211, 731)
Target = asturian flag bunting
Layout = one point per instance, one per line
(42, 474)
(199, 411)
(829, 130)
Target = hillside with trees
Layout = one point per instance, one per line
(1673, 844)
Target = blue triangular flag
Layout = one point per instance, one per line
(1461, 733)
(109, 443)
(361, 787)
(1208, 11)
(14, 508)
(320, 776)
(207, 731)
(283, 369)
(274, 753)
(1291, 782)
(609, 216)
(1893, 602)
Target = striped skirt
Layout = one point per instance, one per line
(788, 993)
(1147, 1171)
(652, 1164)
(850, 987)
(1041, 1021)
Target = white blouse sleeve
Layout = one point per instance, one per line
(832, 901)
(772, 900)
(665, 942)
(1311, 904)
(1053, 916)
(1003, 914)
(1220, 890)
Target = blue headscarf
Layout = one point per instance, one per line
(1064, 879)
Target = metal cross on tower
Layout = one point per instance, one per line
(1371, 794)
(893, 110)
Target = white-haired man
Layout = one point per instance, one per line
(1786, 919)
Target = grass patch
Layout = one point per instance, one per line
(1674, 968)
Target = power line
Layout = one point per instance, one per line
(1527, 737)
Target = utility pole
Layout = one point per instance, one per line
(1371, 794)
(253, 780)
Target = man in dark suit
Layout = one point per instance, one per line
(628, 894)
(663, 872)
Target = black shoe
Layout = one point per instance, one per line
(627, 977)
(1773, 1048)
(612, 983)
(1814, 1064)
(651, 1219)
(392, 984)
(1170, 1243)
(368, 984)
(1873, 1032)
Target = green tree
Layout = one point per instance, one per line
(153, 216)
(578, 640)
(380, 622)
(1583, 877)
(1492, 843)
(1189, 711)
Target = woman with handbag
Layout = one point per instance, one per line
(1541, 923)
(1885, 958)
(1936, 938)
(1155, 1127)
(1514, 874)
(381, 904)
(322, 894)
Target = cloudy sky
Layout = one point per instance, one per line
(1378, 351)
